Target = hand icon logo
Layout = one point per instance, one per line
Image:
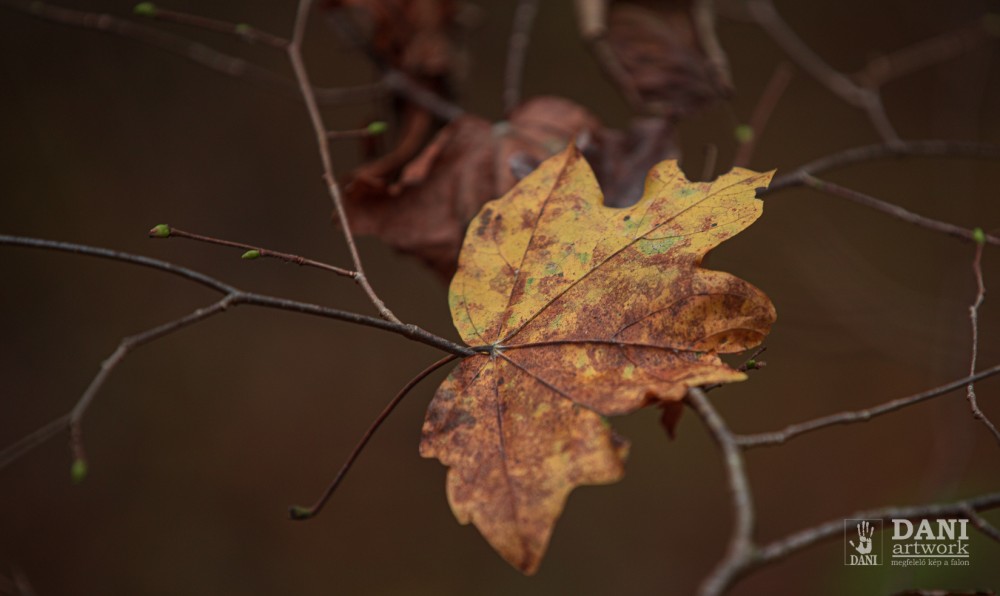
(865, 531)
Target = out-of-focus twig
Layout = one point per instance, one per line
(970, 393)
(323, 144)
(762, 112)
(869, 100)
(517, 51)
(231, 296)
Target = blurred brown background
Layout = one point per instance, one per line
(200, 441)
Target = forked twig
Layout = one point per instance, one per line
(172, 232)
(970, 393)
(322, 141)
(297, 512)
(741, 542)
(231, 296)
(789, 432)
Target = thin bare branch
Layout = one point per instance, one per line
(741, 547)
(34, 439)
(517, 51)
(261, 252)
(114, 255)
(703, 18)
(925, 148)
(778, 437)
(895, 211)
(242, 30)
(869, 100)
(231, 297)
(779, 549)
(127, 345)
(298, 512)
(198, 53)
(970, 393)
(240, 297)
(981, 523)
(938, 49)
(762, 112)
(319, 129)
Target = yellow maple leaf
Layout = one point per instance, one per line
(578, 312)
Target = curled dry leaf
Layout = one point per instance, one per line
(581, 311)
(425, 213)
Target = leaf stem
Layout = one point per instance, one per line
(298, 512)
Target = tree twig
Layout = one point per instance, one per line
(741, 546)
(855, 155)
(243, 30)
(173, 232)
(928, 52)
(778, 437)
(779, 549)
(895, 211)
(869, 100)
(298, 512)
(517, 51)
(231, 296)
(124, 347)
(970, 393)
(198, 53)
(762, 112)
(319, 129)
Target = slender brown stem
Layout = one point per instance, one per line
(198, 53)
(124, 347)
(517, 51)
(778, 437)
(981, 523)
(970, 393)
(242, 30)
(779, 549)
(868, 100)
(37, 437)
(894, 210)
(231, 296)
(319, 129)
(297, 512)
(924, 148)
(263, 252)
(938, 49)
(762, 112)
(741, 546)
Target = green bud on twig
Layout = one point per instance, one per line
(78, 471)
(251, 255)
(979, 236)
(145, 9)
(743, 133)
(243, 29)
(378, 127)
(160, 231)
(298, 512)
